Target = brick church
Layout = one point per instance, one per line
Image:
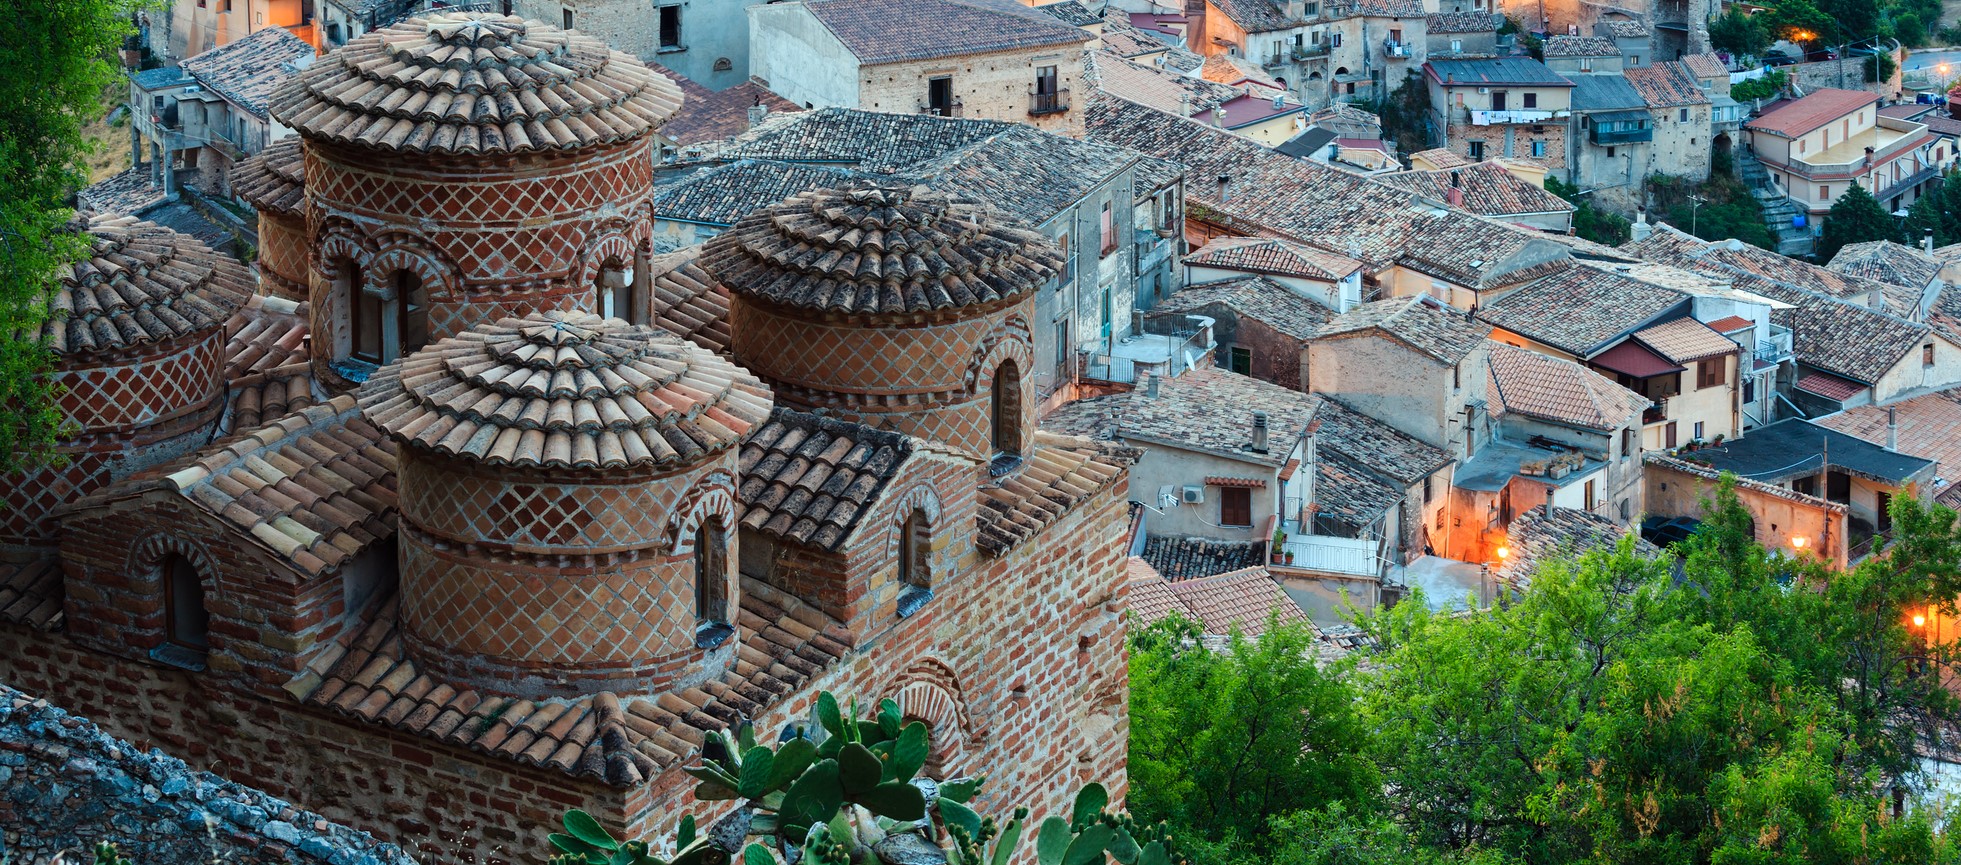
(465, 508)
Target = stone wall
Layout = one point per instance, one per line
(69, 785)
(988, 86)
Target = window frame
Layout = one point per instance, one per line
(1107, 229)
(1236, 496)
(712, 542)
(661, 14)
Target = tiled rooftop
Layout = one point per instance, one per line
(32, 593)
(274, 179)
(1562, 45)
(687, 302)
(1258, 16)
(1442, 158)
(1624, 29)
(1665, 85)
(1253, 297)
(1461, 22)
(1241, 601)
(714, 115)
(808, 478)
(314, 487)
(1374, 445)
(1059, 473)
(1072, 13)
(1929, 428)
(881, 249)
(619, 740)
(892, 31)
(1377, 8)
(722, 194)
(1233, 71)
(1507, 70)
(1347, 497)
(1816, 109)
(1829, 386)
(128, 192)
(1443, 333)
(142, 283)
(1795, 447)
(246, 71)
(1538, 385)
(1534, 540)
(566, 390)
(1581, 308)
(1192, 558)
(527, 87)
(1704, 65)
(267, 368)
(1489, 189)
(1685, 340)
(1163, 89)
(1275, 256)
(1888, 262)
(1206, 409)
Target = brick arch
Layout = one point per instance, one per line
(614, 242)
(438, 275)
(712, 497)
(1012, 341)
(149, 552)
(921, 497)
(929, 691)
(336, 241)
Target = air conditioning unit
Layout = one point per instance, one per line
(1484, 90)
(1194, 494)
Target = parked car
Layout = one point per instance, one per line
(1817, 54)
(1664, 532)
(1778, 58)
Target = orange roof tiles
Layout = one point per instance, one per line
(141, 283)
(1272, 255)
(1060, 472)
(1242, 601)
(1684, 340)
(1819, 108)
(1542, 386)
(31, 593)
(808, 478)
(689, 303)
(1730, 324)
(274, 179)
(566, 389)
(1929, 428)
(475, 84)
(1829, 386)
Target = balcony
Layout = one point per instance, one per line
(1491, 118)
(1602, 133)
(1394, 50)
(1655, 413)
(1040, 104)
(941, 110)
(1309, 52)
(1906, 184)
(1777, 349)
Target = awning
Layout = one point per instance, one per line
(1633, 359)
(1249, 483)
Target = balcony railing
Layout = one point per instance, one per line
(1048, 103)
(1655, 413)
(1529, 115)
(1305, 52)
(1392, 48)
(1907, 183)
(1599, 135)
(1777, 349)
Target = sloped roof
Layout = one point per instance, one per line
(1685, 340)
(1704, 65)
(1795, 447)
(1888, 262)
(1072, 13)
(1272, 255)
(1159, 88)
(1241, 601)
(1601, 92)
(1563, 45)
(1192, 558)
(1374, 445)
(524, 87)
(32, 593)
(725, 193)
(1489, 189)
(1829, 386)
(1206, 409)
(1534, 539)
(1625, 29)
(1505, 70)
(141, 283)
(808, 479)
(879, 249)
(1253, 297)
(1446, 335)
(1665, 85)
(274, 179)
(1378, 8)
(1460, 22)
(1059, 473)
(247, 70)
(1229, 70)
(687, 302)
(1581, 308)
(1819, 107)
(891, 31)
(1929, 427)
(1538, 385)
(1257, 16)
(1442, 157)
(566, 390)
(1347, 497)
(714, 115)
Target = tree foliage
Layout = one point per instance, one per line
(1591, 222)
(1739, 33)
(1856, 217)
(59, 55)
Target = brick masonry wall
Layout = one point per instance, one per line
(70, 785)
(282, 255)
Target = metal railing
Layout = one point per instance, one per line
(1655, 413)
(1304, 52)
(1907, 183)
(1048, 103)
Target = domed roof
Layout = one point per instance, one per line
(466, 83)
(879, 249)
(566, 390)
(142, 283)
(274, 180)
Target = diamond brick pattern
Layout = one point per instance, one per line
(509, 509)
(182, 378)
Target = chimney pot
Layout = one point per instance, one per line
(1151, 387)
(1259, 432)
(1927, 240)
(1892, 429)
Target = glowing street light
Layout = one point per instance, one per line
(1919, 620)
(1503, 552)
(1799, 542)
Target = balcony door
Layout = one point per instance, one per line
(1497, 100)
(939, 96)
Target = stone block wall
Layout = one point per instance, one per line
(69, 785)
(988, 86)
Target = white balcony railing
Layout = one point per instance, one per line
(1487, 118)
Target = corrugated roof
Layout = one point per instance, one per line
(1504, 70)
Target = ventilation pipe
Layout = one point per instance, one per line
(1259, 432)
(1892, 429)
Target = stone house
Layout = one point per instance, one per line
(705, 42)
(183, 28)
(223, 118)
(1582, 55)
(1377, 45)
(1537, 399)
(1611, 145)
(1332, 281)
(1112, 211)
(1490, 188)
(980, 59)
(1513, 106)
(1290, 39)
(1633, 41)
(1815, 460)
(1259, 327)
(1791, 522)
(1913, 277)
(1817, 146)
(369, 597)
(1461, 34)
(1682, 120)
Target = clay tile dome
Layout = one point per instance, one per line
(879, 249)
(566, 390)
(141, 284)
(467, 83)
(274, 180)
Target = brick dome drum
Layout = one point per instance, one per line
(893, 306)
(558, 475)
(138, 334)
(466, 83)
(273, 181)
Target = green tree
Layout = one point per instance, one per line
(59, 55)
(1799, 21)
(1591, 222)
(1222, 742)
(1856, 217)
(1739, 33)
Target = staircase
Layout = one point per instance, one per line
(1779, 210)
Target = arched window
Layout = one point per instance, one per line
(712, 614)
(915, 563)
(412, 304)
(1006, 410)
(615, 290)
(393, 323)
(187, 624)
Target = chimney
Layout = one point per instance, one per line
(1184, 103)
(1549, 491)
(1259, 432)
(1642, 230)
(1455, 194)
(1927, 240)
(1151, 387)
(757, 112)
(1892, 429)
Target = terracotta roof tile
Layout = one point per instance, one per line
(313, 487)
(1059, 473)
(1829, 386)
(1624, 29)
(1929, 428)
(274, 179)
(1254, 297)
(1579, 310)
(1704, 65)
(1347, 497)
(1816, 109)
(1192, 558)
(1374, 445)
(714, 115)
(891, 31)
(130, 191)
(1271, 255)
(1258, 16)
(1685, 340)
(1887, 262)
(1234, 71)
(1149, 594)
(1730, 324)
(879, 249)
(566, 389)
(1665, 85)
(142, 283)
(1242, 602)
(1071, 12)
(32, 593)
(689, 303)
(265, 333)
(619, 740)
(1377, 8)
(1206, 408)
(849, 464)
(1534, 539)
(1442, 158)
(1489, 189)
(1443, 333)
(1460, 22)
(246, 71)
(467, 84)
(1538, 385)
(1164, 89)
(1563, 45)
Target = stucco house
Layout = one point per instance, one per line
(1816, 147)
(1514, 106)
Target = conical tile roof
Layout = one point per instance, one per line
(879, 249)
(566, 390)
(466, 83)
(274, 179)
(142, 283)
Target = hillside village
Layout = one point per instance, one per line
(806, 332)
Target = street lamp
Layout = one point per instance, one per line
(1694, 211)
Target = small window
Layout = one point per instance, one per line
(1062, 349)
(1456, 45)
(568, 19)
(1684, 115)
(1610, 153)
(1108, 231)
(187, 621)
(1927, 354)
(1005, 417)
(1538, 148)
(1587, 501)
(1068, 271)
(711, 585)
(670, 27)
(1235, 506)
(1457, 377)
(1531, 100)
(1586, 64)
(1698, 431)
(1241, 360)
(915, 576)
(1426, 489)
(1626, 510)
(1711, 373)
(615, 291)
(1476, 147)
(1627, 443)
(1824, 192)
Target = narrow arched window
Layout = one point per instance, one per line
(1006, 410)
(615, 290)
(915, 563)
(712, 614)
(187, 624)
(412, 310)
